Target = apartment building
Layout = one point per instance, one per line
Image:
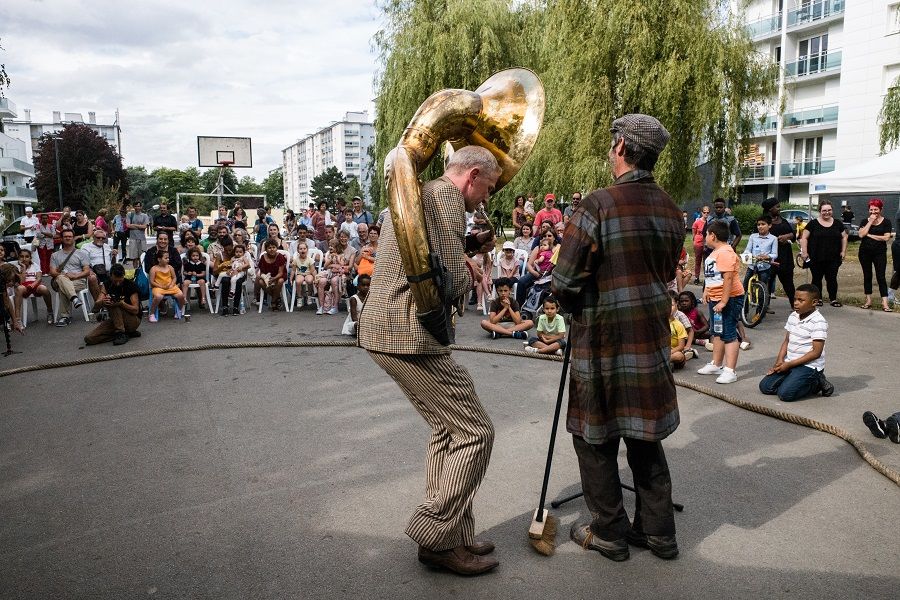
(837, 60)
(343, 144)
(30, 131)
(16, 169)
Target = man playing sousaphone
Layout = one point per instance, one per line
(439, 388)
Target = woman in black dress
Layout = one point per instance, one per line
(824, 243)
(874, 234)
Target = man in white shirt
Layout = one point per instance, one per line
(799, 368)
(101, 258)
(28, 224)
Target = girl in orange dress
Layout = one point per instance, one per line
(163, 283)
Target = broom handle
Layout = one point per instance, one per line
(559, 397)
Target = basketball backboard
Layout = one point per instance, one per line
(213, 151)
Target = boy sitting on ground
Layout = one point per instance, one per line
(678, 339)
(799, 368)
(504, 319)
(551, 330)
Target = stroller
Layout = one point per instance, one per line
(534, 301)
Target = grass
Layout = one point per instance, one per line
(850, 278)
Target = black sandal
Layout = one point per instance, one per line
(836, 304)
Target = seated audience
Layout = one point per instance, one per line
(231, 271)
(687, 305)
(678, 339)
(331, 282)
(30, 285)
(69, 272)
(305, 278)
(193, 271)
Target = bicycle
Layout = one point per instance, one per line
(756, 294)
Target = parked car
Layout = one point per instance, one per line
(12, 238)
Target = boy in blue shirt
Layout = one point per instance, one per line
(762, 246)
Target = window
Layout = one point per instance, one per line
(807, 156)
(893, 18)
(811, 54)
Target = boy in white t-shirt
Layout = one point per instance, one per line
(799, 368)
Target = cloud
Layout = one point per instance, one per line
(271, 70)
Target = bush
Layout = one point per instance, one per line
(746, 215)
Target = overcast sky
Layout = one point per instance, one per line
(270, 70)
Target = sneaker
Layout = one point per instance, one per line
(236, 311)
(893, 429)
(50, 319)
(520, 335)
(531, 349)
(333, 310)
(152, 319)
(63, 322)
(76, 302)
(663, 546)
(582, 535)
(709, 345)
(746, 345)
(319, 311)
(690, 353)
(559, 352)
(710, 369)
(727, 376)
(875, 425)
(696, 281)
(825, 386)
(121, 338)
(494, 335)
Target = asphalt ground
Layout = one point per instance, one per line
(290, 473)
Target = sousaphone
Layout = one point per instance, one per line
(504, 115)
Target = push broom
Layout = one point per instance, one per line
(542, 532)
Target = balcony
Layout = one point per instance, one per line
(14, 165)
(758, 171)
(7, 109)
(765, 27)
(17, 192)
(824, 63)
(807, 167)
(768, 126)
(815, 12)
(811, 119)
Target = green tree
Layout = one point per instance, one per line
(889, 118)
(99, 195)
(83, 157)
(353, 188)
(685, 61)
(166, 183)
(139, 181)
(248, 185)
(328, 185)
(273, 188)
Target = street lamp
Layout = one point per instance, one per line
(56, 139)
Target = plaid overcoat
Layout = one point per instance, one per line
(388, 320)
(619, 251)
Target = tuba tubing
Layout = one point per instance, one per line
(504, 115)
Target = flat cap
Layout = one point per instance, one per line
(643, 130)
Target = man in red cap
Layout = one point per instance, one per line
(549, 211)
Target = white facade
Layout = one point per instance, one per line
(16, 169)
(30, 132)
(837, 59)
(343, 144)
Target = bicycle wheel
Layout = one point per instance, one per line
(756, 303)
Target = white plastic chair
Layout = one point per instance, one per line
(34, 305)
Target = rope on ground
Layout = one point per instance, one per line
(768, 411)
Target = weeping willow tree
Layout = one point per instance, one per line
(889, 118)
(683, 61)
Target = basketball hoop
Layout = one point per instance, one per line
(225, 163)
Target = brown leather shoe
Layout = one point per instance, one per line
(481, 548)
(459, 560)
(582, 535)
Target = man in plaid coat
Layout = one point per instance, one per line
(440, 389)
(618, 253)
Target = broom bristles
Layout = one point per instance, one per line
(546, 545)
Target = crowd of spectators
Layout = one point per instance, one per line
(319, 258)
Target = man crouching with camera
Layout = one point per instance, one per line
(120, 299)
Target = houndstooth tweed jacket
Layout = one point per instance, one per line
(388, 320)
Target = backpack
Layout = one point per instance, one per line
(143, 284)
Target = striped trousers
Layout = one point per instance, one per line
(462, 436)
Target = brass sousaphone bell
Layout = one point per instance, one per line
(504, 115)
